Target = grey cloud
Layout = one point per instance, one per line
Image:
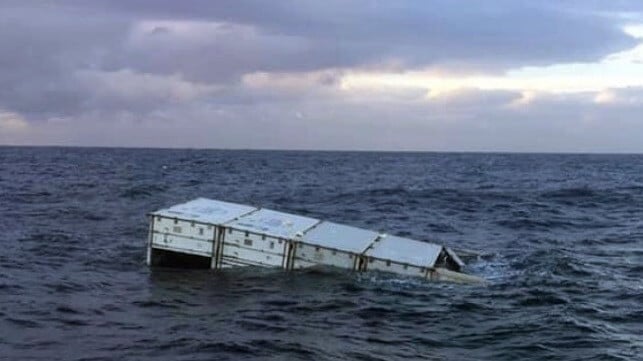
(488, 35)
(480, 122)
(42, 48)
(312, 35)
(48, 41)
(85, 62)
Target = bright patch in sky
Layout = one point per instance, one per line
(11, 121)
(619, 70)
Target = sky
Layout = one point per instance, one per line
(429, 75)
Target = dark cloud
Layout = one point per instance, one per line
(43, 47)
(144, 63)
(308, 35)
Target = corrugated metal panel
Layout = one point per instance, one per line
(206, 211)
(182, 244)
(273, 223)
(306, 254)
(340, 237)
(404, 250)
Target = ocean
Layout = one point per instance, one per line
(561, 238)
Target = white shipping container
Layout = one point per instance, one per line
(243, 246)
(403, 256)
(334, 245)
(192, 227)
(225, 234)
(264, 237)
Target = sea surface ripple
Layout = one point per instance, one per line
(562, 238)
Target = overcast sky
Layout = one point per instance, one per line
(496, 75)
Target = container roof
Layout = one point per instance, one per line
(340, 237)
(273, 223)
(404, 250)
(206, 211)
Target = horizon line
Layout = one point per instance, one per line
(325, 150)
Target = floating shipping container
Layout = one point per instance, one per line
(263, 238)
(192, 228)
(333, 244)
(403, 256)
(221, 234)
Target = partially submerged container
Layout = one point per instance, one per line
(414, 258)
(192, 228)
(216, 234)
(333, 244)
(263, 238)
(403, 256)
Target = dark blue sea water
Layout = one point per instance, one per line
(562, 237)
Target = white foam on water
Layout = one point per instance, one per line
(495, 270)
